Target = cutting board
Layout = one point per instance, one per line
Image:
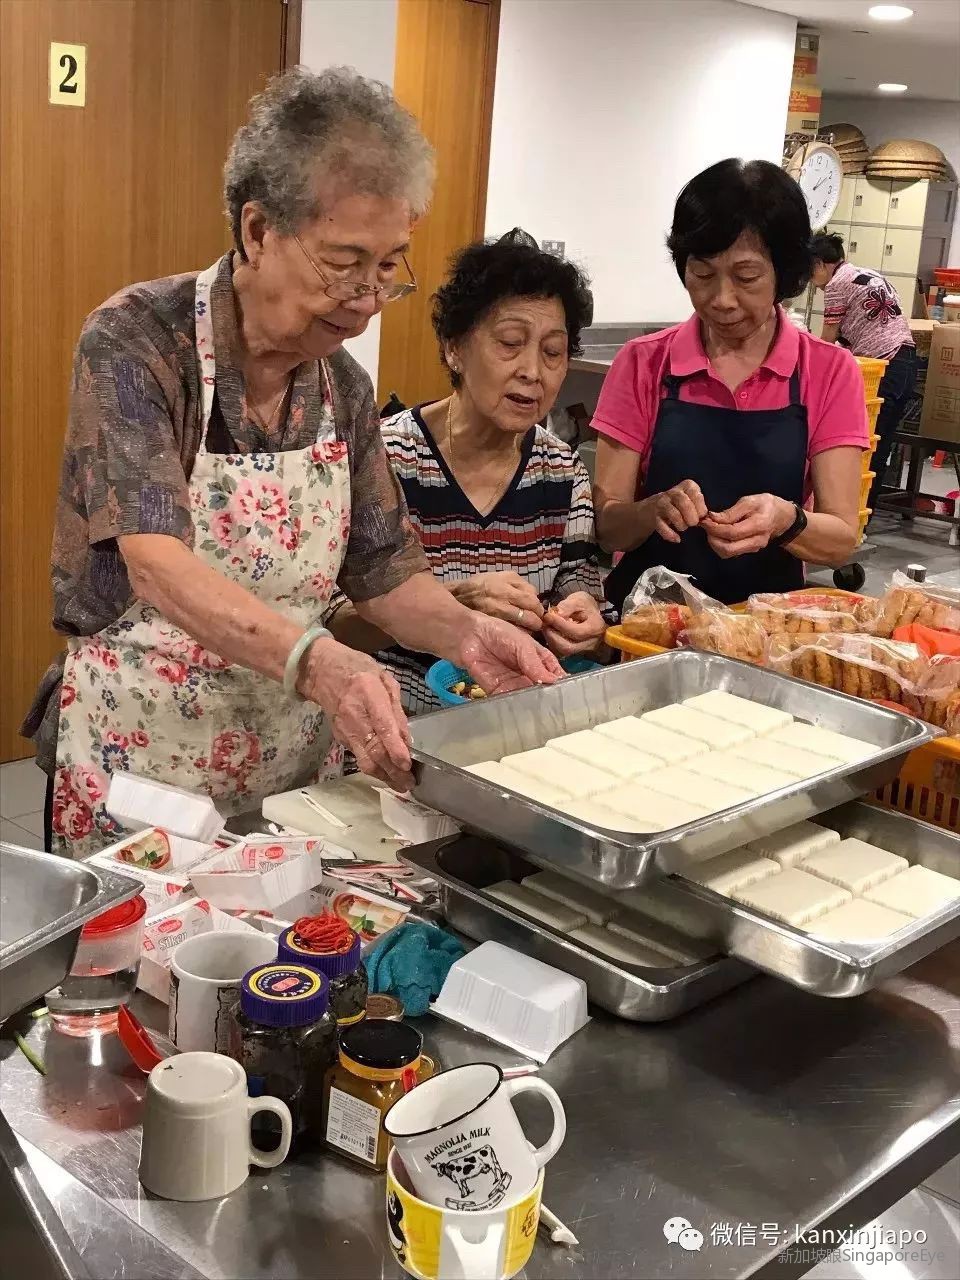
(353, 800)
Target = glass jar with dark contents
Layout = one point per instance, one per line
(379, 1062)
(286, 1042)
(328, 944)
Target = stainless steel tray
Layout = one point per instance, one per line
(826, 968)
(445, 741)
(464, 866)
(44, 903)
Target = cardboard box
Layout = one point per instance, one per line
(806, 54)
(260, 873)
(163, 933)
(940, 417)
(803, 111)
(156, 850)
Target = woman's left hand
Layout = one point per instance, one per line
(501, 657)
(748, 525)
(574, 625)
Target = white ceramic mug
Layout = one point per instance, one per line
(205, 975)
(461, 1142)
(196, 1128)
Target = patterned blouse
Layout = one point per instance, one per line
(542, 528)
(132, 436)
(866, 307)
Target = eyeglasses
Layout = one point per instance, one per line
(350, 290)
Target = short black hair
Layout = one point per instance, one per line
(734, 196)
(485, 273)
(828, 247)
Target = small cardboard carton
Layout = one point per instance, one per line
(368, 914)
(260, 873)
(940, 416)
(163, 933)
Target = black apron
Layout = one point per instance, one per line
(729, 453)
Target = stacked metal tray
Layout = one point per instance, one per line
(465, 866)
(445, 742)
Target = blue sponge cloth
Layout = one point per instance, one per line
(411, 962)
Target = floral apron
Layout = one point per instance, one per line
(143, 696)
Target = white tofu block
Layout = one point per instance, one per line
(716, 733)
(513, 780)
(646, 810)
(855, 865)
(630, 924)
(561, 772)
(620, 949)
(554, 914)
(615, 758)
(708, 793)
(857, 921)
(597, 907)
(801, 764)
(734, 870)
(671, 748)
(793, 844)
(752, 715)
(794, 896)
(917, 892)
(825, 742)
(596, 813)
(724, 766)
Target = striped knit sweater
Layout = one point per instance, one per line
(542, 528)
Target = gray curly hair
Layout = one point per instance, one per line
(308, 132)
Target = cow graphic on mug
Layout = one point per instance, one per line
(477, 1176)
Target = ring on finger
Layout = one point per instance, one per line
(369, 738)
(519, 615)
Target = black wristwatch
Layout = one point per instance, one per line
(788, 535)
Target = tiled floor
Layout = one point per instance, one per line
(22, 787)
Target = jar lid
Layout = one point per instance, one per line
(296, 949)
(380, 1045)
(384, 1006)
(284, 995)
(116, 918)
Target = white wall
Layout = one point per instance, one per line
(884, 118)
(361, 34)
(603, 109)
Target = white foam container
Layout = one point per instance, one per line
(261, 873)
(140, 802)
(413, 821)
(513, 999)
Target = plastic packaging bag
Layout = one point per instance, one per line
(861, 665)
(734, 635)
(906, 602)
(805, 613)
(936, 697)
(661, 604)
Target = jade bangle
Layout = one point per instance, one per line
(291, 671)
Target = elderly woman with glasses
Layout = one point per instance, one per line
(224, 471)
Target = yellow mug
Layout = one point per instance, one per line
(453, 1244)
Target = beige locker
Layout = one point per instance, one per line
(842, 229)
(866, 245)
(905, 287)
(901, 250)
(844, 209)
(908, 204)
(871, 200)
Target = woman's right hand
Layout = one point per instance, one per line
(502, 595)
(362, 703)
(678, 509)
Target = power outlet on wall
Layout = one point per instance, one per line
(556, 247)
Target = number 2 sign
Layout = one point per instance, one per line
(68, 75)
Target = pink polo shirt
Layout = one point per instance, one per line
(830, 386)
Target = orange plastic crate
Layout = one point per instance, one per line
(873, 412)
(629, 648)
(872, 371)
(865, 483)
(928, 785)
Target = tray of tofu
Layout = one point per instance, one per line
(634, 965)
(833, 906)
(648, 767)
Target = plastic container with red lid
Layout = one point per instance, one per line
(103, 975)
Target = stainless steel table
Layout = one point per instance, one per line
(765, 1111)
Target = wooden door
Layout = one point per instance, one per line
(445, 65)
(125, 188)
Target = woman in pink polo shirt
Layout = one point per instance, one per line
(730, 444)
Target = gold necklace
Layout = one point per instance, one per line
(495, 493)
(268, 425)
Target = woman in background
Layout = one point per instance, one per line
(730, 444)
(503, 508)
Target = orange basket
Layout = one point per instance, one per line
(629, 648)
(865, 483)
(873, 412)
(865, 514)
(928, 785)
(872, 371)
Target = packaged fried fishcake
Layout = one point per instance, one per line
(657, 623)
(804, 612)
(661, 605)
(906, 602)
(863, 666)
(734, 635)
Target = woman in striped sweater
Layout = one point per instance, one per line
(502, 507)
